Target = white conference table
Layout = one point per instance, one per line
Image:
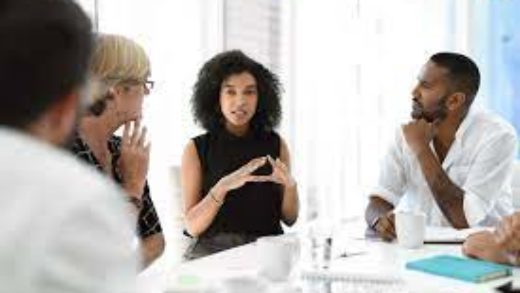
(375, 256)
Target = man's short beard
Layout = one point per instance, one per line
(437, 114)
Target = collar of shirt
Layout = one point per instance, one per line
(458, 142)
(81, 149)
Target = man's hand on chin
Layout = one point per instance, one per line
(418, 134)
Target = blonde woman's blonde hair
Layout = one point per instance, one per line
(116, 59)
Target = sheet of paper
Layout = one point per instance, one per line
(448, 234)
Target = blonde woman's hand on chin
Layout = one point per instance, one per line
(135, 157)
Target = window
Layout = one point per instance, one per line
(496, 42)
(352, 67)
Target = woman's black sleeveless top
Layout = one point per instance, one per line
(255, 208)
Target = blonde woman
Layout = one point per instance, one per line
(121, 70)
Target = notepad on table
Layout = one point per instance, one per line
(348, 276)
(465, 269)
(449, 235)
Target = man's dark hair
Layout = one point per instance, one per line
(45, 47)
(463, 73)
(206, 96)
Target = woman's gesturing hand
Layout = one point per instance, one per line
(281, 173)
(241, 176)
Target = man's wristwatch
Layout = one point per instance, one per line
(374, 223)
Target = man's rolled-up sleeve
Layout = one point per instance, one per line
(392, 180)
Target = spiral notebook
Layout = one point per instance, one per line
(343, 276)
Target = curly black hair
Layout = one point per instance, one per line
(205, 101)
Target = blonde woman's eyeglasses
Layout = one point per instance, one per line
(147, 83)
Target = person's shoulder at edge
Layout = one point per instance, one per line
(72, 195)
(492, 121)
(57, 169)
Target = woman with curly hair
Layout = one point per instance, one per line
(236, 179)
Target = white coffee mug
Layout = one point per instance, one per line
(410, 228)
(277, 255)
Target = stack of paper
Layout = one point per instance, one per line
(450, 235)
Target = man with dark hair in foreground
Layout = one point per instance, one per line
(453, 161)
(64, 227)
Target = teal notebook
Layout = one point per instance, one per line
(465, 269)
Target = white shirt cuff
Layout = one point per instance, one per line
(475, 209)
(386, 195)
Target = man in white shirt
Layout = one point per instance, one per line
(64, 227)
(452, 161)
